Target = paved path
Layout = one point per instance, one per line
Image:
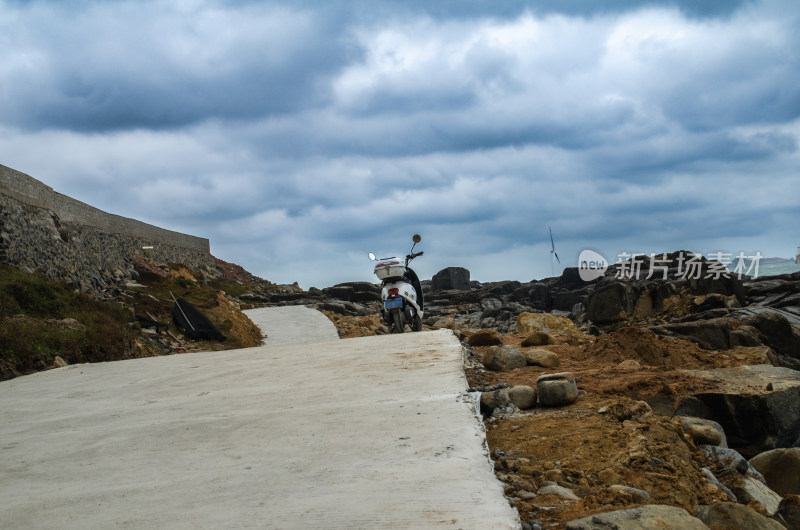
(292, 325)
(360, 433)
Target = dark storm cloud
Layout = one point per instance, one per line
(122, 65)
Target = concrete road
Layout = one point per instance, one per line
(292, 325)
(359, 433)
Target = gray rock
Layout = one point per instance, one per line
(494, 400)
(781, 469)
(749, 489)
(522, 396)
(557, 389)
(725, 459)
(635, 495)
(726, 515)
(541, 357)
(503, 358)
(558, 491)
(703, 432)
(642, 518)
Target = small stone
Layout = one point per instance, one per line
(633, 494)
(485, 337)
(538, 338)
(628, 365)
(554, 476)
(494, 400)
(557, 389)
(503, 358)
(58, 362)
(703, 431)
(541, 357)
(559, 491)
(524, 397)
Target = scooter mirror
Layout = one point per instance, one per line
(372, 257)
(416, 238)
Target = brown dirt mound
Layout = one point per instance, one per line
(586, 451)
(647, 348)
(236, 273)
(240, 330)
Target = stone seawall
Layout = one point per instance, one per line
(45, 231)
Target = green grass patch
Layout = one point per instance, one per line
(33, 332)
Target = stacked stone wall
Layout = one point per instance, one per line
(45, 231)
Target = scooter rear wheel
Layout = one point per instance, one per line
(417, 324)
(399, 325)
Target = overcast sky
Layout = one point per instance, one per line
(299, 136)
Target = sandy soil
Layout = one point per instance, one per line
(608, 436)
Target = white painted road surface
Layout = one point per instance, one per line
(374, 432)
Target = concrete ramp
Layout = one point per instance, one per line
(292, 325)
(360, 433)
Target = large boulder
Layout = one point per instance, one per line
(777, 332)
(781, 469)
(757, 406)
(451, 278)
(611, 303)
(539, 296)
(355, 292)
(503, 358)
(708, 284)
(642, 518)
(529, 323)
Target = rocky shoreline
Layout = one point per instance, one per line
(656, 399)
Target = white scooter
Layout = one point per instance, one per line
(402, 292)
